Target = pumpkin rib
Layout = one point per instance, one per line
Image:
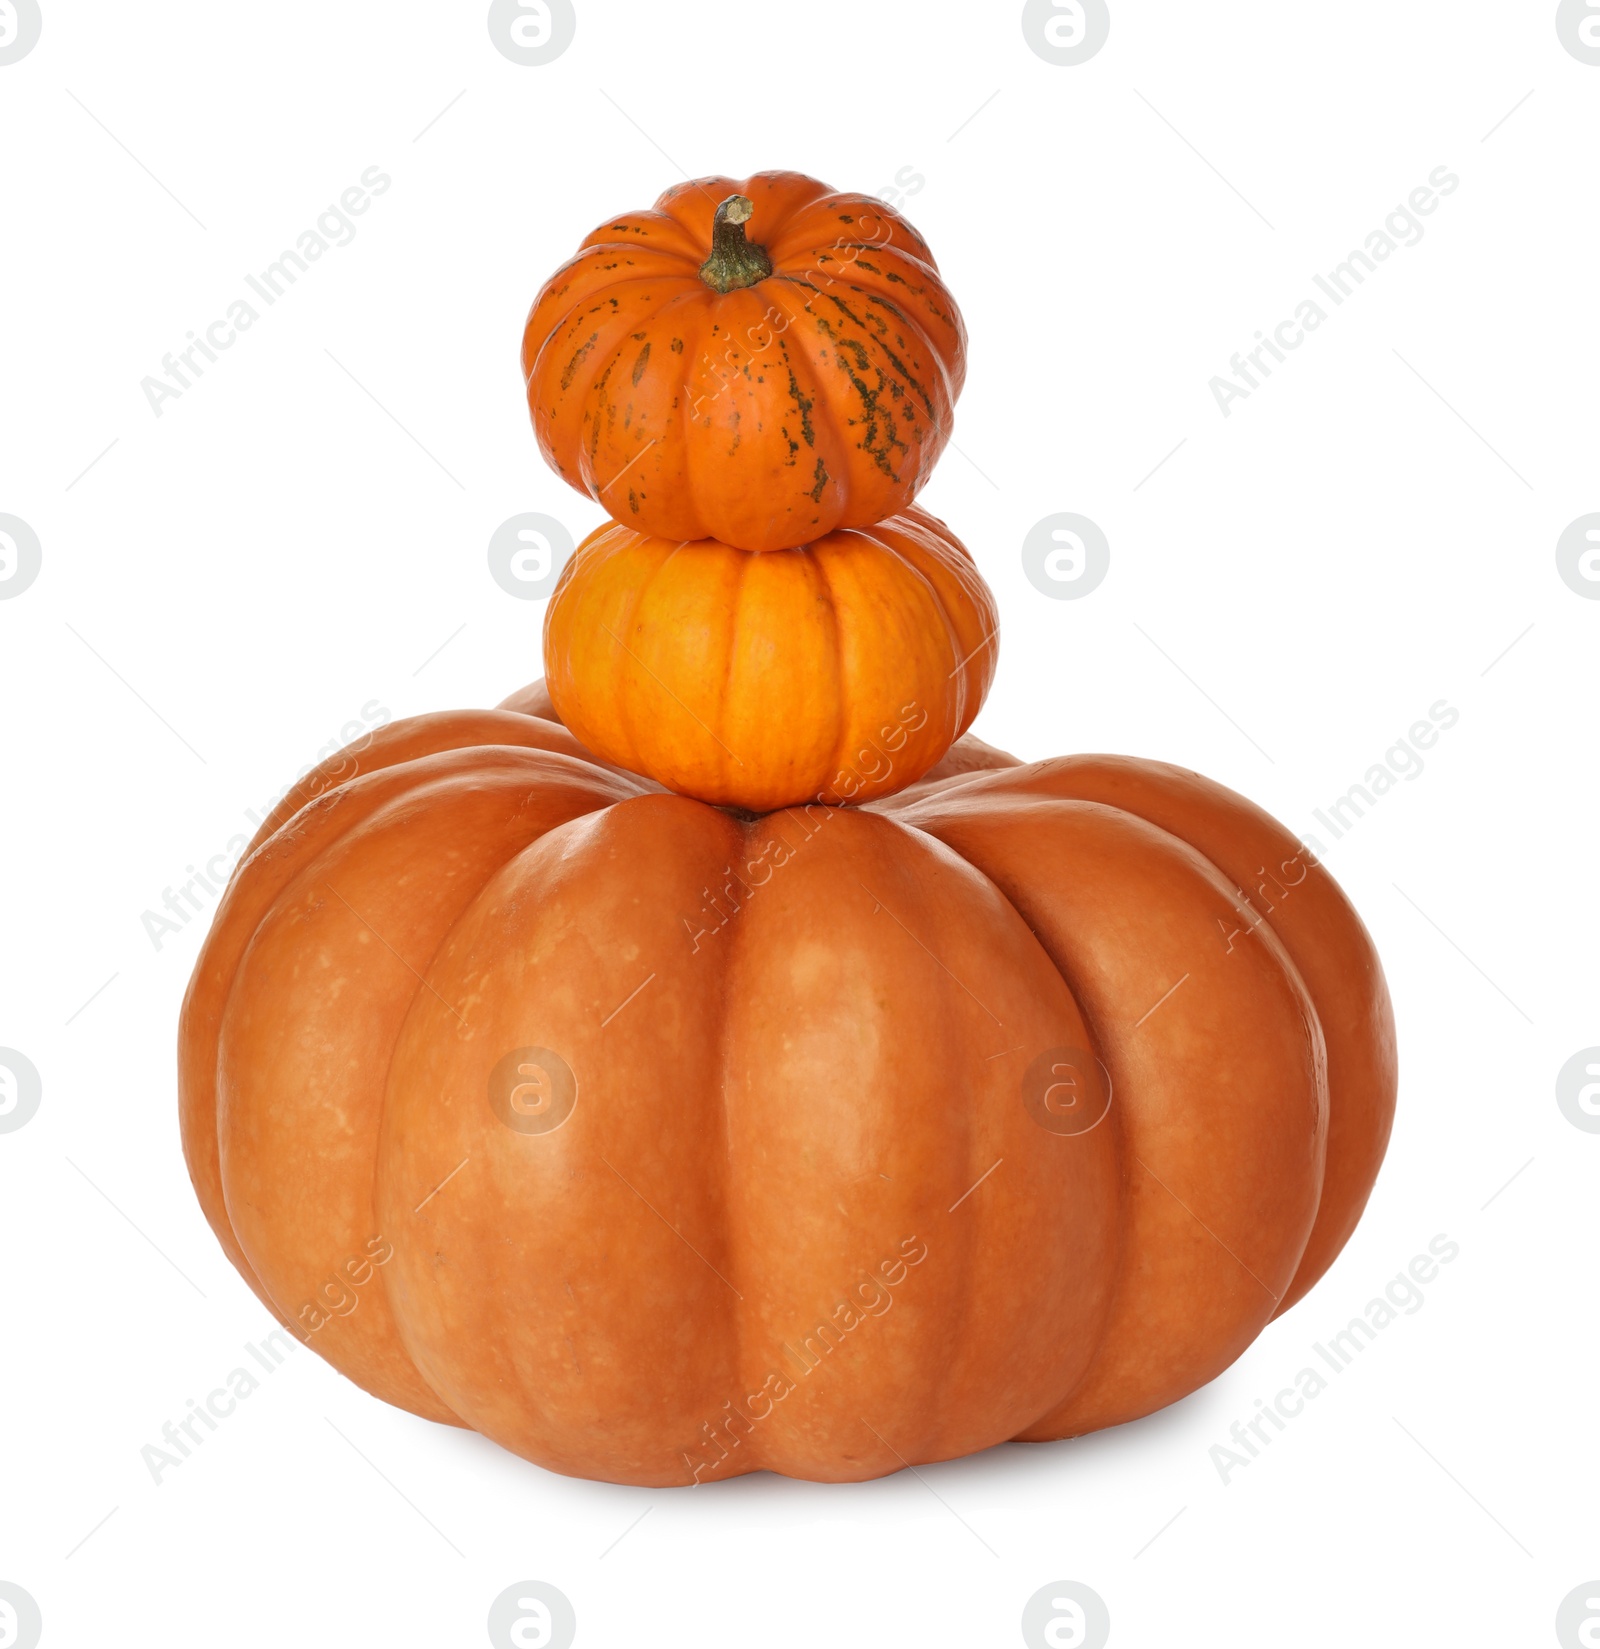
(813, 343)
(856, 352)
(944, 327)
(698, 345)
(826, 416)
(1153, 1349)
(921, 338)
(806, 245)
(818, 408)
(1111, 1261)
(603, 542)
(813, 222)
(909, 880)
(929, 536)
(877, 294)
(937, 413)
(587, 273)
(635, 1230)
(947, 556)
(967, 1286)
(734, 967)
(398, 815)
(708, 453)
(837, 761)
(650, 232)
(238, 1204)
(889, 534)
(650, 228)
(404, 740)
(626, 707)
(639, 287)
(579, 395)
(662, 233)
(332, 813)
(730, 649)
(785, 672)
(1313, 921)
(565, 358)
(933, 334)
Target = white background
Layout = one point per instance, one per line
(1296, 584)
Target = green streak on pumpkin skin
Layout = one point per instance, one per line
(913, 288)
(881, 435)
(910, 382)
(802, 405)
(822, 481)
(911, 379)
(641, 363)
(878, 301)
(898, 313)
(577, 360)
(594, 423)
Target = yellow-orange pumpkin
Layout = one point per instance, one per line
(661, 1144)
(843, 670)
(759, 361)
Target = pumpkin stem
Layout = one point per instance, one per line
(734, 261)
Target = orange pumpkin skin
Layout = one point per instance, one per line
(818, 396)
(843, 670)
(800, 1214)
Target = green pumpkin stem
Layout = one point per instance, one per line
(734, 261)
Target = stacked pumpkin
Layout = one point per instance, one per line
(768, 607)
(712, 1060)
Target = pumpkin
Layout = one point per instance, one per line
(843, 670)
(661, 1144)
(759, 361)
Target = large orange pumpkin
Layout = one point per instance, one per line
(758, 361)
(843, 670)
(661, 1144)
